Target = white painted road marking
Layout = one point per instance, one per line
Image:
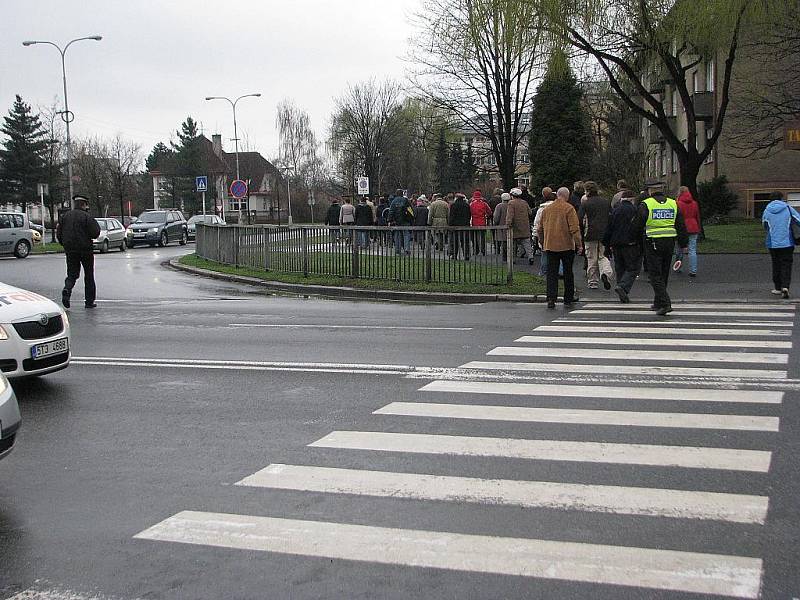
(726, 459)
(683, 313)
(323, 326)
(651, 502)
(657, 322)
(767, 308)
(524, 414)
(541, 339)
(667, 330)
(592, 563)
(600, 391)
(660, 355)
(627, 370)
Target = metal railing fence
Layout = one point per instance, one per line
(413, 254)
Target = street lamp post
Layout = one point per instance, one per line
(67, 116)
(235, 135)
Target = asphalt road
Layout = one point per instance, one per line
(173, 459)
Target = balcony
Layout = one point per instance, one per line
(654, 135)
(703, 106)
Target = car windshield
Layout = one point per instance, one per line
(153, 217)
(199, 219)
(103, 224)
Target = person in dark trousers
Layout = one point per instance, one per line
(363, 218)
(561, 234)
(332, 219)
(459, 216)
(777, 220)
(75, 231)
(623, 242)
(663, 224)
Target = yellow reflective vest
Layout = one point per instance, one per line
(661, 218)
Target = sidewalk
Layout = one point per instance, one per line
(720, 277)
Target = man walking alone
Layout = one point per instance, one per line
(663, 223)
(560, 231)
(75, 231)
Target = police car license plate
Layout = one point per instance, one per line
(50, 348)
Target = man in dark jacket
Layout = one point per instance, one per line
(363, 219)
(593, 215)
(460, 216)
(332, 219)
(623, 242)
(401, 215)
(75, 231)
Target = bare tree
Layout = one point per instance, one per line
(479, 60)
(767, 94)
(363, 128)
(89, 164)
(646, 48)
(124, 160)
(55, 163)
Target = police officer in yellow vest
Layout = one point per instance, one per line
(663, 224)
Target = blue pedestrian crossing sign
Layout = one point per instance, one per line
(201, 183)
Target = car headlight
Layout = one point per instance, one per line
(153, 230)
(3, 334)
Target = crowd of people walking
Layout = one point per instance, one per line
(617, 236)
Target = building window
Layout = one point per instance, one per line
(709, 135)
(663, 160)
(675, 102)
(674, 161)
(710, 76)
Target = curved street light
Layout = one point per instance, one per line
(233, 104)
(66, 115)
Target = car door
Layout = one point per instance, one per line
(115, 232)
(6, 239)
(170, 227)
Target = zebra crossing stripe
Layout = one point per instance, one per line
(659, 323)
(662, 355)
(683, 313)
(640, 501)
(662, 330)
(605, 341)
(524, 414)
(726, 459)
(590, 563)
(767, 308)
(604, 391)
(626, 369)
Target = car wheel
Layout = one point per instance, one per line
(22, 249)
(104, 247)
(131, 245)
(184, 238)
(164, 239)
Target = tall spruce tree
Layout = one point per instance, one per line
(443, 179)
(455, 166)
(22, 157)
(560, 146)
(188, 161)
(469, 167)
(159, 157)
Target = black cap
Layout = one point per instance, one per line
(78, 199)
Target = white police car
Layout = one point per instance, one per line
(9, 417)
(34, 334)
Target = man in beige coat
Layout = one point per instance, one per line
(560, 232)
(518, 216)
(438, 212)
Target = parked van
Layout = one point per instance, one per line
(16, 236)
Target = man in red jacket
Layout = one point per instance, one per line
(481, 216)
(690, 211)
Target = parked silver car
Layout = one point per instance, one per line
(9, 417)
(112, 235)
(16, 236)
(205, 219)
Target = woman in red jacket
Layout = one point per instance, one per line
(481, 216)
(690, 211)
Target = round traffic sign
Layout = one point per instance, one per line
(238, 188)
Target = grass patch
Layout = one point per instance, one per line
(48, 247)
(737, 237)
(524, 283)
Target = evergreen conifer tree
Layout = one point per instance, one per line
(188, 160)
(22, 156)
(469, 166)
(455, 167)
(560, 146)
(440, 164)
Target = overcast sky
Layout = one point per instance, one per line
(158, 60)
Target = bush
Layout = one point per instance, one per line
(715, 198)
